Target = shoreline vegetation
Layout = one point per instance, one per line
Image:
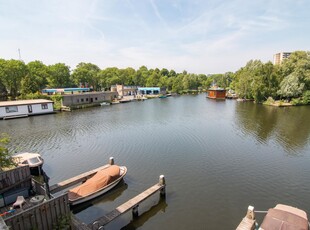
(287, 83)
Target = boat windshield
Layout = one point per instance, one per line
(33, 160)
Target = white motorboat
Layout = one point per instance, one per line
(34, 160)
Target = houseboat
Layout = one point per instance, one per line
(216, 93)
(24, 108)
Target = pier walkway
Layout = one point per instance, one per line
(132, 204)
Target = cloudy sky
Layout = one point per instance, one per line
(200, 36)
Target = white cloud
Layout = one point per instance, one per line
(199, 36)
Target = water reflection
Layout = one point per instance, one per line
(143, 218)
(289, 126)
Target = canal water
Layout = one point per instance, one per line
(218, 157)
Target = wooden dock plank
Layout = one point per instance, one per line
(76, 224)
(74, 180)
(246, 224)
(127, 206)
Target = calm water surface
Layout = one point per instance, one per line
(218, 157)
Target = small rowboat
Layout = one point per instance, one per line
(103, 181)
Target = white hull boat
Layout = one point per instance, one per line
(102, 182)
(34, 160)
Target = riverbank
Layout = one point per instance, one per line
(278, 104)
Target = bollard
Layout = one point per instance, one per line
(250, 213)
(162, 181)
(111, 161)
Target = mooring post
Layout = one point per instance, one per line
(250, 213)
(135, 211)
(111, 161)
(162, 181)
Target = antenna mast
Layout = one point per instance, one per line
(20, 58)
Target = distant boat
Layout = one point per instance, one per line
(162, 96)
(279, 217)
(105, 103)
(34, 160)
(103, 181)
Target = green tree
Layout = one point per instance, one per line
(3, 90)
(299, 64)
(291, 87)
(5, 156)
(177, 86)
(13, 73)
(59, 76)
(141, 76)
(36, 79)
(153, 79)
(87, 75)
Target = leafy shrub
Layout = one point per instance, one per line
(296, 101)
(306, 97)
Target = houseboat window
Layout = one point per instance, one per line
(11, 109)
(86, 99)
(82, 100)
(96, 99)
(44, 106)
(77, 100)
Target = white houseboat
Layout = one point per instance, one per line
(24, 108)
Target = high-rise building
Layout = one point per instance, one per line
(279, 57)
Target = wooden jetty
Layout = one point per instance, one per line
(248, 222)
(79, 178)
(132, 204)
(55, 212)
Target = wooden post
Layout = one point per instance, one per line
(250, 213)
(162, 181)
(135, 211)
(111, 161)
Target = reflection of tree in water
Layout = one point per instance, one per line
(293, 127)
(289, 126)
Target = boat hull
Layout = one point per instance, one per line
(101, 191)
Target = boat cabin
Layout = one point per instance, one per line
(34, 160)
(24, 108)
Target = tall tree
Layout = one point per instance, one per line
(3, 90)
(299, 64)
(14, 72)
(59, 76)
(86, 74)
(291, 87)
(36, 79)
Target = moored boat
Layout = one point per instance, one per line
(105, 103)
(281, 217)
(103, 181)
(34, 160)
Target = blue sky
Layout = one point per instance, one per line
(200, 36)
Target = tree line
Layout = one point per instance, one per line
(256, 80)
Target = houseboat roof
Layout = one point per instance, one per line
(217, 89)
(24, 102)
(59, 90)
